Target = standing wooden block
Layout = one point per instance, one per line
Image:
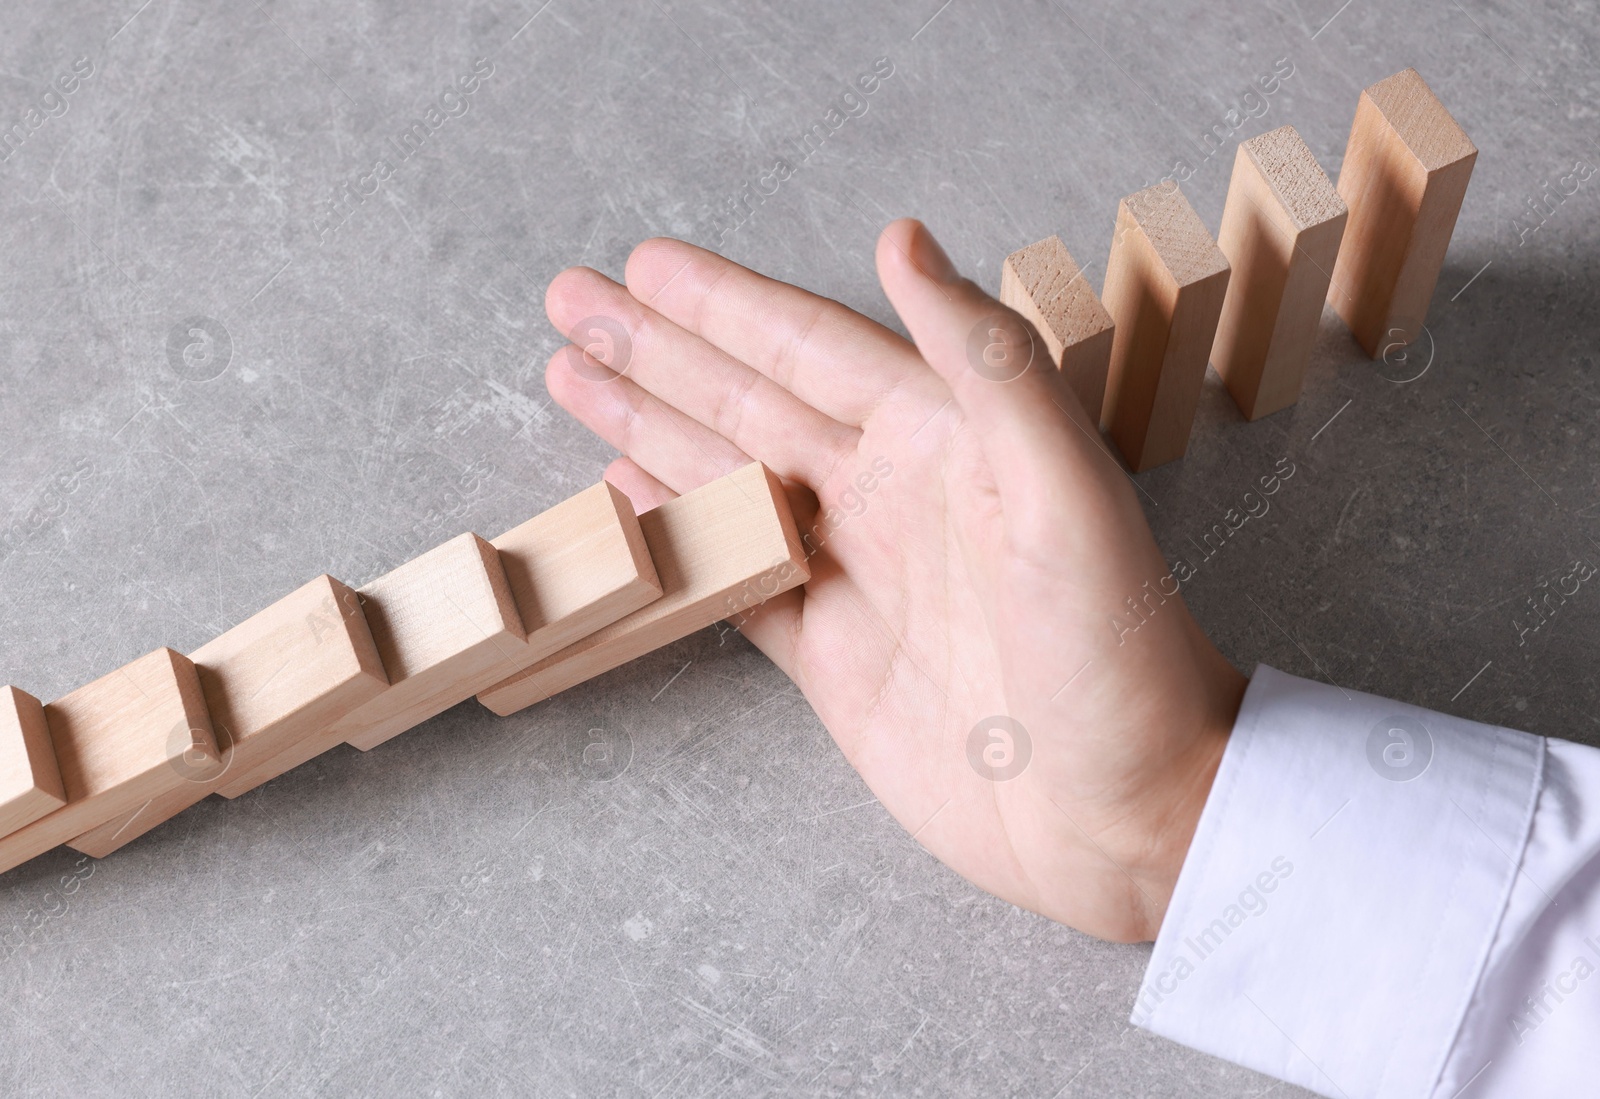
(563, 574)
(281, 675)
(30, 781)
(718, 551)
(120, 741)
(1165, 283)
(1404, 176)
(1043, 283)
(1280, 233)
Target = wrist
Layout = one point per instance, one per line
(1190, 779)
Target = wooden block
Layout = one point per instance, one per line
(569, 570)
(281, 675)
(438, 621)
(120, 741)
(1280, 233)
(1164, 287)
(442, 621)
(1404, 175)
(578, 567)
(1042, 283)
(718, 551)
(30, 781)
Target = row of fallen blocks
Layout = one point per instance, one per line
(1249, 301)
(588, 585)
(573, 592)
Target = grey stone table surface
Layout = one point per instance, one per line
(232, 358)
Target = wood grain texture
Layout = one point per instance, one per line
(1043, 283)
(124, 739)
(1165, 282)
(1280, 233)
(562, 574)
(718, 551)
(30, 781)
(1404, 176)
(280, 676)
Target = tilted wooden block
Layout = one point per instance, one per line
(126, 738)
(1164, 287)
(1043, 283)
(30, 781)
(719, 550)
(574, 569)
(442, 622)
(470, 613)
(1280, 233)
(437, 619)
(578, 567)
(1404, 176)
(281, 675)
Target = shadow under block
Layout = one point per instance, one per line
(276, 678)
(1164, 287)
(1280, 233)
(1044, 285)
(718, 551)
(562, 574)
(120, 741)
(1404, 175)
(30, 781)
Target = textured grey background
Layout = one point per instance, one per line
(468, 907)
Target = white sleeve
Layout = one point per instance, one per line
(1381, 900)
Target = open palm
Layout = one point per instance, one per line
(966, 635)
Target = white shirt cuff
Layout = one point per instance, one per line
(1345, 888)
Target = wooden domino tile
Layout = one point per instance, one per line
(1280, 233)
(572, 570)
(1165, 282)
(1043, 283)
(121, 741)
(1404, 176)
(718, 551)
(442, 621)
(577, 567)
(281, 675)
(30, 781)
(437, 619)
(470, 613)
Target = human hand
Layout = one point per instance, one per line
(974, 540)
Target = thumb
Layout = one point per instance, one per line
(1039, 442)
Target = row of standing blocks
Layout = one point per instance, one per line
(1249, 301)
(573, 592)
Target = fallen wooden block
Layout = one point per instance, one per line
(1165, 282)
(124, 739)
(276, 678)
(1280, 233)
(1043, 283)
(466, 615)
(441, 621)
(1404, 176)
(435, 620)
(718, 551)
(30, 781)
